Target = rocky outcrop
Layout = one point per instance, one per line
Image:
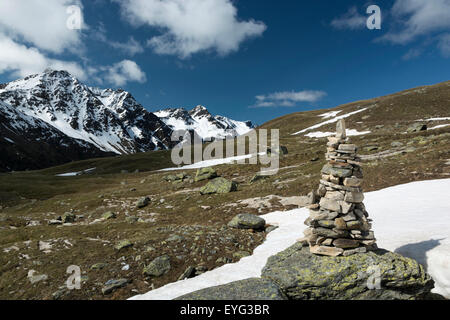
(378, 274)
(298, 274)
(248, 289)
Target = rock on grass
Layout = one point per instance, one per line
(219, 185)
(247, 221)
(158, 267)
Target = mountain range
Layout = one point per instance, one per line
(52, 118)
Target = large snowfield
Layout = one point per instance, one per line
(411, 219)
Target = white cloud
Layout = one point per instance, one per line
(21, 60)
(191, 26)
(131, 47)
(40, 23)
(288, 98)
(351, 20)
(122, 72)
(444, 44)
(415, 18)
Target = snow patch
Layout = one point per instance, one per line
(350, 132)
(333, 120)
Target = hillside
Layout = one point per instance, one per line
(181, 223)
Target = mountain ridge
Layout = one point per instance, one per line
(92, 121)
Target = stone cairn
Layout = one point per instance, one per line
(339, 224)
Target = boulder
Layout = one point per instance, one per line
(143, 202)
(158, 267)
(68, 217)
(247, 221)
(205, 174)
(219, 185)
(249, 289)
(416, 127)
(109, 215)
(302, 275)
(123, 244)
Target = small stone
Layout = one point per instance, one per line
(124, 244)
(340, 224)
(326, 251)
(346, 243)
(112, 285)
(352, 182)
(341, 129)
(354, 197)
(331, 205)
(143, 202)
(68, 217)
(99, 266)
(109, 215)
(131, 219)
(187, 274)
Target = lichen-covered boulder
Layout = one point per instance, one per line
(248, 289)
(247, 221)
(374, 275)
(205, 174)
(158, 267)
(219, 185)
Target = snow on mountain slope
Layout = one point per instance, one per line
(31, 143)
(111, 120)
(97, 120)
(203, 123)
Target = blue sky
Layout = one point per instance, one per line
(246, 59)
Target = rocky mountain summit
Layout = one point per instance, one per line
(56, 112)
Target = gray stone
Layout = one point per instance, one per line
(252, 289)
(158, 267)
(68, 217)
(187, 274)
(205, 174)
(143, 202)
(112, 285)
(123, 244)
(416, 127)
(219, 185)
(247, 221)
(109, 215)
(305, 276)
(341, 132)
(354, 197)
(331, 205)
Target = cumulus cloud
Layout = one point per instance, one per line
(122, 72)
(287, 98)
(351, 20)
(191, 26)
(21, 60)
(416, 18)
(43, 24)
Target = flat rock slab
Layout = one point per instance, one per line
(248, 289)
(302, 275)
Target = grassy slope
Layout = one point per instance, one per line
(180, 209)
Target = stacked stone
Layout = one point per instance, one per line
(339, 223)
